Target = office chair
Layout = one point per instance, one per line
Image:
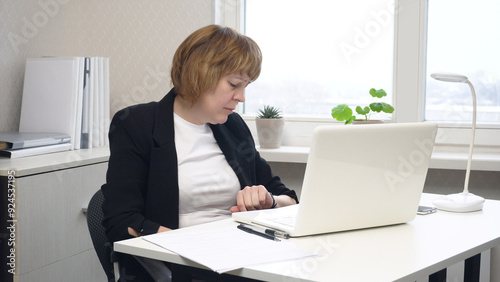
(101, 244)
(104, 249)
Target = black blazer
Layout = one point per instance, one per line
(141, 189)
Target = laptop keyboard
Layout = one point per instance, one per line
(283, 220)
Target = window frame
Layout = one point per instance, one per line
(409, 82)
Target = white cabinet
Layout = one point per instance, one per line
(52, 241)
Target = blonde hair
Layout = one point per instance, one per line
(210, 53)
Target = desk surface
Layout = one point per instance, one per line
(400, 252)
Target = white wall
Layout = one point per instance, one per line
(140, 37)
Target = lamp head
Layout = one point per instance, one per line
(449, 77)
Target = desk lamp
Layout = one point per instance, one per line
(465, 201)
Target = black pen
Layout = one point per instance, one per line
(275, 233)
(255, 232)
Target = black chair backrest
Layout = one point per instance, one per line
(98, 235)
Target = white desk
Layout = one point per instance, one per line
(405, 252)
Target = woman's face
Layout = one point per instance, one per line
(214, 106)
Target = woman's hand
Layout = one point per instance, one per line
(257, 198)
(252, 198)
(163, 229)
(135, 233)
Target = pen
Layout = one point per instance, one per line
(275, 233)
(255, 232)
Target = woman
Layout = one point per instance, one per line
(188, 159)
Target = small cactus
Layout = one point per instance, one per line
(269, 112)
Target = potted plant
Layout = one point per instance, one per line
(270, 126)
(343, 112)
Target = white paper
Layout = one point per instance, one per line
(226, 249)
(80, 74)
(106, 120)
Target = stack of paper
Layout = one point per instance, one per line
(67, 95)
(16, 144)
(226, 249)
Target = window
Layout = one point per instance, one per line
(466, 43)
(409, 78)
(318, 54)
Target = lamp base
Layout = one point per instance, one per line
(461, 202)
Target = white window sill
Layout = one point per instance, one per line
(285, 154)
(439, 160)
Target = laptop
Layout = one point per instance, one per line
(357, 176)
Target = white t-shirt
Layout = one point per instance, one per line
(207, 184)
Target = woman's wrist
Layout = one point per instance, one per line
(133, 232)
(274, 201)
(283, 201)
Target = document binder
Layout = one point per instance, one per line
(68, 95)
(28, 152)
(50, 96)
(22, 140)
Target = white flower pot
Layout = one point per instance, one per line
(270, 132)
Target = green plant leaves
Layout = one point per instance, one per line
(349, 121)
(362, 111)
(342, 112)
(378, 93)
(269, 112)
(381, 107)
